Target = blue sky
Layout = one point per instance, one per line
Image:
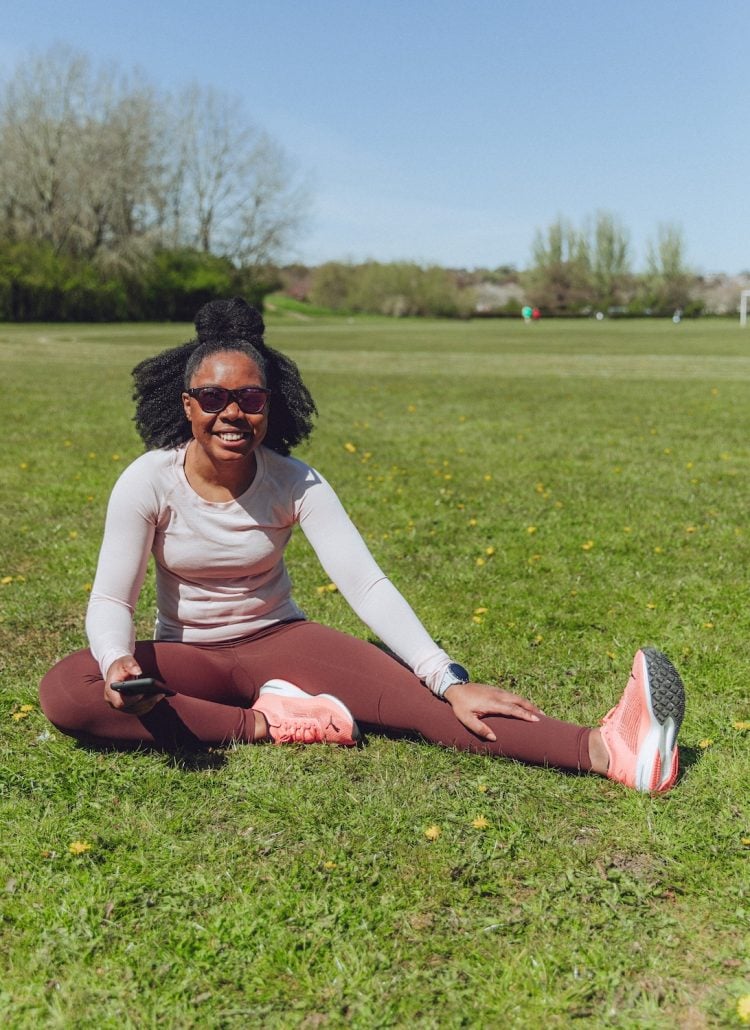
(449, 132)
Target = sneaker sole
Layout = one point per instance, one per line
(286, 689)
(665, 698)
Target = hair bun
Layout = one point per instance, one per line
(229, 320)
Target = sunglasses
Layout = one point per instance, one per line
(212, 399)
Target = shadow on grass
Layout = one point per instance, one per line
(185, 759)
(689, 756)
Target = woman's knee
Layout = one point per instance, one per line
(65, 692)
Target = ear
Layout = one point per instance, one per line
(186, 403)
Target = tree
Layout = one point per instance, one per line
(559, 280)
(668, 279)
(76, 148)
(610, 264)
(228, 187)
(108, 169)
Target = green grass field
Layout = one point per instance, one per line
(548, 498)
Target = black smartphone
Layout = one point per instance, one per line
(146, 685)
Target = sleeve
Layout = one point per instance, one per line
(347, 560)
(128, 536)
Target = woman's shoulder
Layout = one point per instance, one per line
(287, 468)
(151, 469)
(290, 477)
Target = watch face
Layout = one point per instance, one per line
(459, 674)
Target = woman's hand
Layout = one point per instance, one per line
(127, 668)
(472, 701)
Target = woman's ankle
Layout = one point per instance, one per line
(598, 754)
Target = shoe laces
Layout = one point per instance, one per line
(304, 730)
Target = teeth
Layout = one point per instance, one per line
(230, 436)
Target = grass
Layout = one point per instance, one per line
(583, 482)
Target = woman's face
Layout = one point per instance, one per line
(230, 434)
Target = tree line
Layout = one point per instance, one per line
(572, 272)
(121, 201)
(118, 200)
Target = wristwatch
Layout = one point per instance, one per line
(455, 673)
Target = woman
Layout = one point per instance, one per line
(214, 500)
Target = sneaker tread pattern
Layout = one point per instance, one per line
(667, 690)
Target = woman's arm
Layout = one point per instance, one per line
(128, 535)
(347, 561)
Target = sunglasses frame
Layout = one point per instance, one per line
(231, 395)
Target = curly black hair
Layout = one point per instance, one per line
(222, 325)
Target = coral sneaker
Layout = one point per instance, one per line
(295, 717)
(640, 732)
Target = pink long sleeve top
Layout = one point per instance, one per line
(220, 571)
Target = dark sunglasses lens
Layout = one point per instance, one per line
(252, 402)
(212, 399)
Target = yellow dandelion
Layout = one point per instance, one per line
(714, 392)
(745, 842)
(115, 457)
(489, 551)
(350, 448)
(477, 619)
(743, 1008)
(87, 587)
(487, 477)
(689, 529)
(17, 716)
(741, 724)
(538, 638)
(627, 529)
(480, 562)
(611, 655)
(331, 588)
(329, 865)
(531, 530)
(587, 545)
(689, 465)
(480, 823)
(708, 625)
(481, 611)
(412, 408)
(432, 832)
(534, 558)
(26, 708)
(473, 522)
(658, 550)
(539, 488)
(23, 464)
(73, 534)
(78, 847)
(68, 443)
(706, 742)
(650, 605)
(725, 456)
(92, 454)
(6, 580)
(482, 788)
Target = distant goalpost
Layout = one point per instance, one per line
(744, 297)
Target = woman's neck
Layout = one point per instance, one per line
(218, 481)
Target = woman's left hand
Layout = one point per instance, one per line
(472, 701)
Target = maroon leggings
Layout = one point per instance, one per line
(216, 684)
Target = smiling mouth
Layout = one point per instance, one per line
(232, 437)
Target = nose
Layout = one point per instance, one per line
(231, 410)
